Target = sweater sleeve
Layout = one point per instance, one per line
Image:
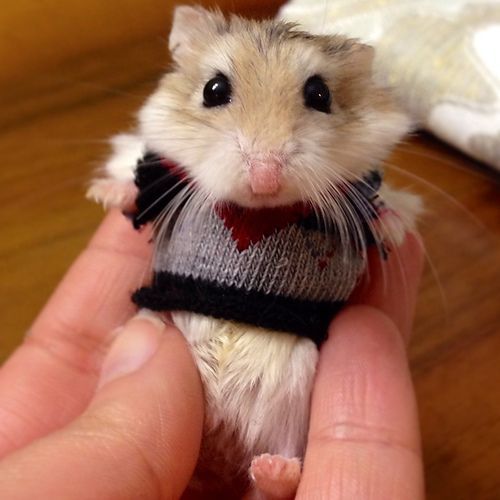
(158, 184)
(363, 206)
(367, 205)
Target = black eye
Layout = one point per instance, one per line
(217, 91)
(317, 94)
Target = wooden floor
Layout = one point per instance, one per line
(51, 137)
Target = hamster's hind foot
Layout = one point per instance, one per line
(275, 477)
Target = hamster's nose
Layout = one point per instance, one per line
(265, 176)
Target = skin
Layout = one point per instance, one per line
(87, 411)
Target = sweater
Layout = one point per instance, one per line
(275, 268)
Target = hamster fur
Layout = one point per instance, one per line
(257, 382)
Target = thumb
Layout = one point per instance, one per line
(140, 436)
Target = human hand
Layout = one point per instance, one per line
(364, 439)
(141, 432)
(138, 434)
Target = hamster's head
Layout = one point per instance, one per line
(262, 114)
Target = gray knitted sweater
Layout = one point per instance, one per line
(273, 268)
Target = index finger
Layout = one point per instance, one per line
(51, 377)
(364, 437)
(391, 283)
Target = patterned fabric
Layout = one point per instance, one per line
(276, 267)
(442, 57)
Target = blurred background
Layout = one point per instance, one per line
(74, 73)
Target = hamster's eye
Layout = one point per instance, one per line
(217, 91)
(317, 94)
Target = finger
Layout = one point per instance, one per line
(363, 439)
(391, 284)
(140, 436)
(51, 377)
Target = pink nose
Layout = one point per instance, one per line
(265, 176)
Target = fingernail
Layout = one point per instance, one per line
(150, 316)
(134, 346)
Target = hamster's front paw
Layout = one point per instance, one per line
(390, 228)
(275, 477)
(113, 193)
(397, 216)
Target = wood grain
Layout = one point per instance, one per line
(52, 130)
(35, 36)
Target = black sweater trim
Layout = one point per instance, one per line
(159, 181)
(181, 293)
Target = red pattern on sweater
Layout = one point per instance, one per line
(249, 225)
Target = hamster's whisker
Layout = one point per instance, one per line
(192, 210)
(309, 193)
(429, 185)
(169, 211)
(319, 208)
(379, 244)
(341, 218)
(409, 148)
(435, 274)
(368, 212)
(356, 230)
(395, 250)
(31, 196)
(450, 199)
(164, 226)
(60, 140)
(354, 224)
(437, 279)
(160, 198)
(332, 212)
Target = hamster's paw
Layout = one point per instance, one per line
(275, 477)
(113, 193)
(398, 215)
(390, 228)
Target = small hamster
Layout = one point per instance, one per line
(258, 160)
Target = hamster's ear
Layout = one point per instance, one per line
(358, 56)
(361, 55)
(192, 27)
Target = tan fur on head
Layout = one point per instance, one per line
(267, 64)
(190, 27)
(266, 121)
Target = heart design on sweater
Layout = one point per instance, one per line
(249, 225)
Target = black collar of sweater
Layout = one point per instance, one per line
(160, 180)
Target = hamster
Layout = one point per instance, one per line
(258, 116)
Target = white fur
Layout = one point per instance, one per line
(126, 150)
(257, 383)
(117, 188)
(403, 211)
(111, 193)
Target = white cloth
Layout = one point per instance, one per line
(442, 58)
